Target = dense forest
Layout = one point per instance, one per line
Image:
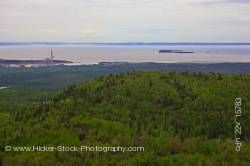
(31, 85)
(179, 118)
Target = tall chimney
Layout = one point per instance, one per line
(51, 56)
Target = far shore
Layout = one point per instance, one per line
(32, 63)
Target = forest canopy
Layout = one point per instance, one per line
(179, 118)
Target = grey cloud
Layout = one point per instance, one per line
(225, 2)
(122, 19)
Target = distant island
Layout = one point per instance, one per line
(176, 51)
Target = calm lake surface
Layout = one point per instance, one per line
(92, 54)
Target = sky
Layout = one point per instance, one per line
(125, 20)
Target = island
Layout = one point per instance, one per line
(176, 51)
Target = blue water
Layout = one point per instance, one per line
(95, 53)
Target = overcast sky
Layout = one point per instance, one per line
(125, 20)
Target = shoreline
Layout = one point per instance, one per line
(40, 63)
(32, 63)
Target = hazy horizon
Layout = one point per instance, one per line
(126, 42)
(123, 21)
(93, 54)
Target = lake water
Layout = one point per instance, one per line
(92, 54)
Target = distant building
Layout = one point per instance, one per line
(3, 87)
(52, 56)
(28, 65)
(50, 61)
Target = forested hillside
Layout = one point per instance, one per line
(179, 118)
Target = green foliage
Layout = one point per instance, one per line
(180, 119)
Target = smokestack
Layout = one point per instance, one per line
(51, 56)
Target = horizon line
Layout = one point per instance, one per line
(2, 43)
